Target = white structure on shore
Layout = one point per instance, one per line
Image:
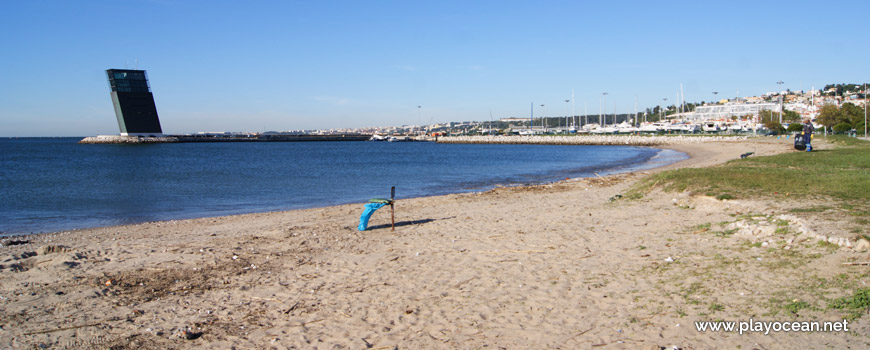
(612, 140)
(726, 111)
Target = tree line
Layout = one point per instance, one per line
(840, 89)
(841, 119)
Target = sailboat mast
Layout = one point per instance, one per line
(682, 98)
(585, 113)
(636, 122)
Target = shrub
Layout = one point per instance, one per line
(774, 126)
(842, 128)
(795, 127)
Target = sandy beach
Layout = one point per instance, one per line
(567, 265)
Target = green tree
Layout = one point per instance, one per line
(790, 116)
(852, 113)
(829, 115)
(767, 116)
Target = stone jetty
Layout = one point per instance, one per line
(607, 140)
(116, 139)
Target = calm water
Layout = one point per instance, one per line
(53, 184)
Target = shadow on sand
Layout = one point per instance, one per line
(406, 223)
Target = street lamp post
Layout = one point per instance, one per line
(604, 123)
(418, 118)
(566, 117)
(714, 97)
(780, 101)
(664, 115)
(543, 120)
(865, 111)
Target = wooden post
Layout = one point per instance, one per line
(392, 210)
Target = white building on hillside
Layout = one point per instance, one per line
(726, 111)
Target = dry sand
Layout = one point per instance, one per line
(547, 266)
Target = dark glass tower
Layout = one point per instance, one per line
(134, 103)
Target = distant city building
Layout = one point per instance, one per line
(726, 111)
(134, 103)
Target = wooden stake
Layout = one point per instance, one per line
(392, 210)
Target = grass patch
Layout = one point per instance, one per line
(855, 305)
(724, 196)
(725, 233)
(816, 209)
(828, 245)
(704, 226)
(842, 172)
(793, 306)
(796, 306)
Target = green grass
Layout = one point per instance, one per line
(704, 226)
(855, 305)
(842, 172)
(724, 196)
(814, 209)
(827, 245)
(725, 233)
(795, 307)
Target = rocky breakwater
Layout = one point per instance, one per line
(116, 139)
(607, 140)
(768, 229)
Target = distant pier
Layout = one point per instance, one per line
(117, 139)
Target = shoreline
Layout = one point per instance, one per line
(693, 149)
(559, 265)
(619, 169)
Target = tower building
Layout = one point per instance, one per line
(134, 103)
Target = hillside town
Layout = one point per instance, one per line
(836, 109)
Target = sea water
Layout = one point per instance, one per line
(54, 184)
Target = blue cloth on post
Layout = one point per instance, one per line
(367, 213)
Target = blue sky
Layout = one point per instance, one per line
(280, 65)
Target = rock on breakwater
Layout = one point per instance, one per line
(607, 140)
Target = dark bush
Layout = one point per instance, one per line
(842, 128)
(795, 127)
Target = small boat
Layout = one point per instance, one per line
(710, 127)
(652, 127)
(626, 128)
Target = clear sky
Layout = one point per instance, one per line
(281, 65)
